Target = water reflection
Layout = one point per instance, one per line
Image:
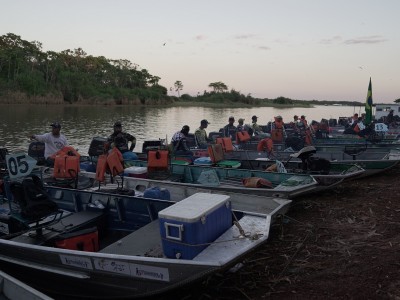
(80, 124)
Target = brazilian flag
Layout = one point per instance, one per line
(368, 105)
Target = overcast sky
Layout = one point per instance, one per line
(301, 49)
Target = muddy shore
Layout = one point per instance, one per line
(340, 244)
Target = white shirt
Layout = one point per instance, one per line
(52, 143)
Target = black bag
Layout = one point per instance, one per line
(32, 198)
(317, 164)
(98, 146)
(296, 143)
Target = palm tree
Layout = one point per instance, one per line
(178, 86)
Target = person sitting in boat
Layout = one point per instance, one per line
(120, 140)
(354, 120)
(257, 129)
(389, 118)
(179, 142)
(294, 123)
(306, 132)
(230, 129)
(240, 126)
(53, 141)
(201, 135)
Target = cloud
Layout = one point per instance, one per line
(373, 39)
(334, 39)
(244, 36)
(200, 37)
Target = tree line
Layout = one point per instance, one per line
(75, 76)
(25, 67)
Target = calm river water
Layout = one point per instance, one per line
(80, 124)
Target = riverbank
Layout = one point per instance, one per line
(341, 244)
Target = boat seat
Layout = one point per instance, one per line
(69, 223)
(217, 157)
(353, 151)
(135, 244)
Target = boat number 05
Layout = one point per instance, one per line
(19, 164)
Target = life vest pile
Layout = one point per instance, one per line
(112, 162)
(66, 163)
(226, 143)
(242, 137)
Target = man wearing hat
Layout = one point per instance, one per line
(230, 129)
(240, 127)
(201, 135)
(257, 128)
(121, 139)
(53, 141)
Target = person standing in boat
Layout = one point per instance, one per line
(179, 142)
(53, 142)
(120, 140)
(230, 129)
(201, 135)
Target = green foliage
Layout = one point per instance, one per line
(397, 100)
(218, 87)
(25, 68)
(282, 100)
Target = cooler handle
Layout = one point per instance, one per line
(167, 231)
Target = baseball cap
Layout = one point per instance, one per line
(55, 125)
(185, 128)
(241, 120)
(278, 117)
(117, 124)
(254, 117)
(204, 122)
(231, 118)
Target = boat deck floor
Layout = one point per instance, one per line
(146, 241)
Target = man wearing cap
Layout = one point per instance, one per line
(240, 127)
(230, 129)
(53, 141)
(201, 135)
(257, 128)
(121, 139)
(279, 127)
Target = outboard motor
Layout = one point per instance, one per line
(311, 163)
(36, 150)
(98, 146)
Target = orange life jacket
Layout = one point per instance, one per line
(216, 153)
(277, 135)
(66, 150)
(115, 162)
(226, 143)
(242, 137)
(66, 166)
(265, 144)
(157, 160)
(101, 167)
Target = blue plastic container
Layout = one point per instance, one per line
(157, 193)
(188, 226)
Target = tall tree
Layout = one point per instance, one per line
(218, 87)
(178, 86)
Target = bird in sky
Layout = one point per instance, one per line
(164, 44)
